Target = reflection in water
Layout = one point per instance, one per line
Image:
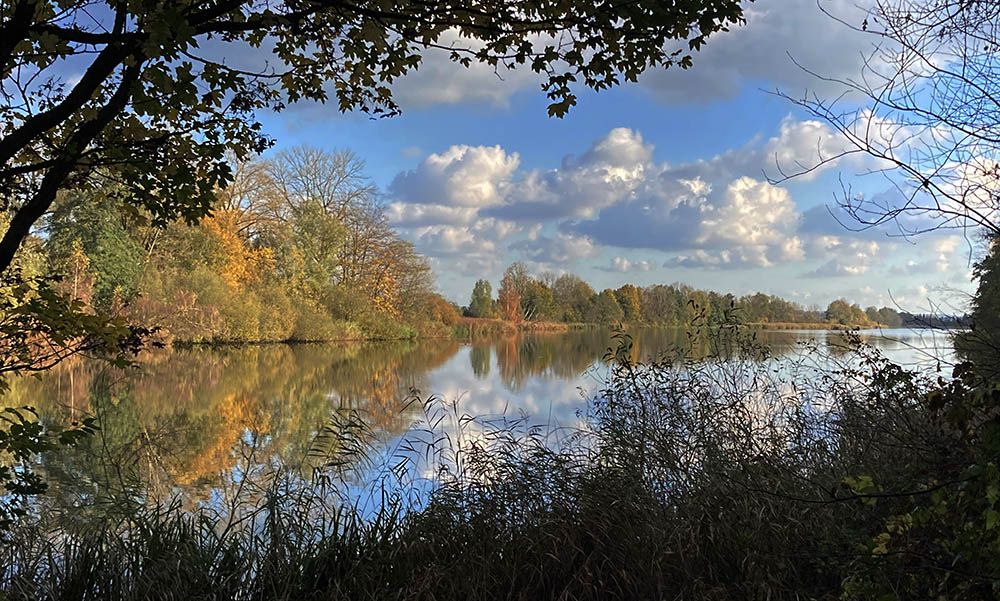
(175, 422)
(183, 423)
(480, 356)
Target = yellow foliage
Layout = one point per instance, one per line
(385, 294)
(242, 264)
(237, 413)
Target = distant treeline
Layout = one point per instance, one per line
(567, 298)
(926, 320)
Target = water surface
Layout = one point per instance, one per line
(189, 421)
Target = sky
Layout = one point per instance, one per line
(668, 180)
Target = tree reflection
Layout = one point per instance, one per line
(179, 421)
(480, 356)
(567, 355)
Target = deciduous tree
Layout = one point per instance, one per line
(481, 302)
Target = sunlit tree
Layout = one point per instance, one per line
(481, 302)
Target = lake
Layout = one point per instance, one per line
(191, 422)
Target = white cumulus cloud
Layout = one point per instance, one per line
(469, 176)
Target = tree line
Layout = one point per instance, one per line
(567, 298)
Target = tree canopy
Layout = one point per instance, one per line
(153, 95)
(481, 301)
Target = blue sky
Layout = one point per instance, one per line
(663, 181)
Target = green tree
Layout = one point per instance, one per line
(538, 302)
(981, 344)
(889, 317)
(94, 222)
(156, 107)
(606, 309)
(481, 303)
(659, 305)
(573, 298)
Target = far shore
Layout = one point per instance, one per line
(470, 328)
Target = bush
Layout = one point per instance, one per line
(376, 326)
(278, 314)
(313, 324)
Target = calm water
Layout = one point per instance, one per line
(191, 420)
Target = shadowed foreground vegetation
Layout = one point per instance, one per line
(807, 477)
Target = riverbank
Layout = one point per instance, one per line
(467, 328)
(825, 326)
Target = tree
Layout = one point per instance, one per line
(95, 223)
(573, 298)
(606, 309)
(844, 313)
(889, 317)
(629, 300)
(537, 302)
(481, 302)
(522, 296)
(929, 115)
(519, 276)
(659, 305)
(157, 107)
(509, 299)
(981, 344)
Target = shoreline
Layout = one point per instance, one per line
(474, 328)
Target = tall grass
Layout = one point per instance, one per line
(735, 477)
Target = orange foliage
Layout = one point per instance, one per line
(242, 264)
(237, 413)
(384, 293)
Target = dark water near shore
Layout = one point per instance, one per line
(191, 421)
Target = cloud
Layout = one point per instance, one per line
(468, 176)
(473, 250)
(610, 169)
(440, 80)
(563, 248)
(719, 212)
(844, 257)
(745, 222)
(764, 52)
(623, 265)
(949, 255)
(805, 149)
(403, 214)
